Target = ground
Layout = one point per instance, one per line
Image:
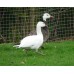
(56, 54)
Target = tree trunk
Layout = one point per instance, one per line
(32, 18)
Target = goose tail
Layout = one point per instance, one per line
(17, 46)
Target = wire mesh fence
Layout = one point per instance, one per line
(18, 22)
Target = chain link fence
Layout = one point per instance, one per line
(18, 22)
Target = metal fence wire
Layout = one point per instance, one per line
(18, 22)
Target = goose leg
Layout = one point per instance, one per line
(42, 47)
(26, 50)
(39, 52)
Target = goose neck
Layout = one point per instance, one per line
(38, 29)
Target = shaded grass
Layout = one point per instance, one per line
(56, 54)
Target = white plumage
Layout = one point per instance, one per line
(34, 41)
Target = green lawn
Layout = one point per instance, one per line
(56, 54)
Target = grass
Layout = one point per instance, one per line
(56, 54)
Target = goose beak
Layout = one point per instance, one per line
(51, 17)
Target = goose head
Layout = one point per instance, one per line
(41, 24)
(46, 16)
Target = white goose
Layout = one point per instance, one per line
(33, 41)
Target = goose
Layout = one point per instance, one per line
(33, 41)
(45, 30)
